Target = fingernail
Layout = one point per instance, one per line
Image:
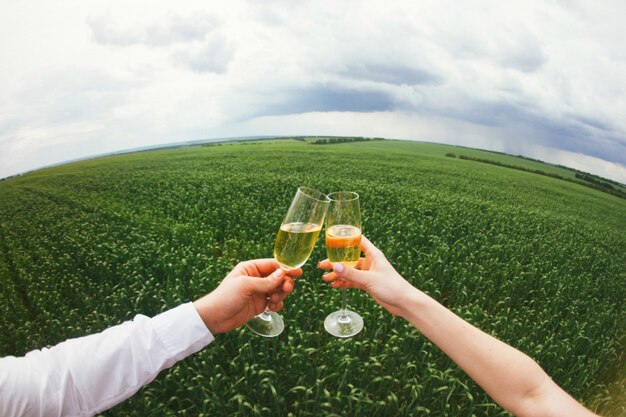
(278, 273)
(338, 267)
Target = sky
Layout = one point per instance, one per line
(541, 79)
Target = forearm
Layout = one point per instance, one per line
(506, 374)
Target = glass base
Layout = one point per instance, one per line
(343, 323)
(267, 324)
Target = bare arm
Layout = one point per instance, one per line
(511, 378)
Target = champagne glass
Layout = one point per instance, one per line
(343, 239)
(294, 243)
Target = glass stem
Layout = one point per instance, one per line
(267, 312)
(344, 303)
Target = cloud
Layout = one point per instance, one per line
(179, 29)
(516, 49)
(105, 32)
(61, 96)
(571, 133)
(192, 42)
(173, 29)
(212, 57)
(525, 55)
(497, 36)
(391, 74)
(329, 98)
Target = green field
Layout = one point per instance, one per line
(538, 262)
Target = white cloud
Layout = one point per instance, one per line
(172, 30)
(105, 32)
(212, 56)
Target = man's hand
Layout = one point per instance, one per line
(244, 293)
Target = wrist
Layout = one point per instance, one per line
(205, 308)
(411, 302)
(421, 311)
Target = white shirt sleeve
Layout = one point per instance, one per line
(84, 376)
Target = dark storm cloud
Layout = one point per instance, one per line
(478, 112)
(591, 137)
(598, 124)
(333, 98)
(572, 133)
(390, 74)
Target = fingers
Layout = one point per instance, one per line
(282, 293)
(331, 276)
(266, 284)
(295, 272)
(278, 297)
(343, 272)
(345, 284)
(257, 267)
(263, 267)
(326, 264)
(288, 285)
(276, 306)
(336, 282)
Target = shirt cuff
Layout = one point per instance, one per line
(182, 331)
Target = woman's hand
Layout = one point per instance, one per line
(375, 275)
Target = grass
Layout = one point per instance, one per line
(536, 261)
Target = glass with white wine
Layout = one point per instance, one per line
(294, 243)
(343, 240)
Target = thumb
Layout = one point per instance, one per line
(268, 283)
(350, 274)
